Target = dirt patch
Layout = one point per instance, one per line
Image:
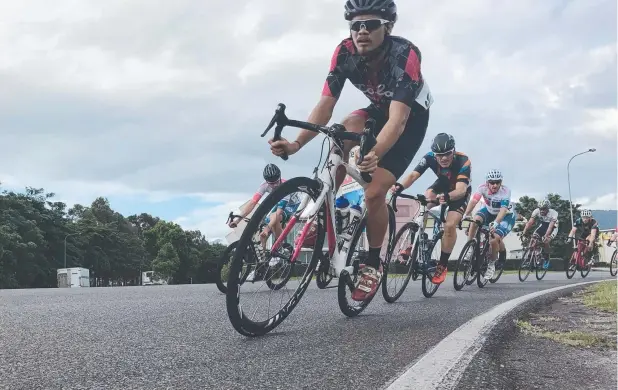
(583, 319)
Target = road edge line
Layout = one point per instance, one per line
(436, 368)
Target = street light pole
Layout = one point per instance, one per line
(65, 247)
(569, 179)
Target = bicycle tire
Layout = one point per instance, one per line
(221, 262)
(385, 293)
(241, 323)
(540, 272)
(342, 288)
(572, 266)
(525, 265)
(428, 292)
(322, 277)
(613, 265)
(471, 244)
(495, 278)
(586, 270)
(278, 286)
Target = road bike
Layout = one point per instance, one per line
(263, 269)
(578, 261)
(532, 259)
(316, 211)
(407, 242)
(613, 264)
(474, 258)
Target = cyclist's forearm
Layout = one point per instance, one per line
(244, 211)
(530, 222)
(410, 179)
(471, 206)
(459, 191)
(320, 115)
(501, 215)
(389, 134)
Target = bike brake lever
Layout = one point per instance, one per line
(281, 120)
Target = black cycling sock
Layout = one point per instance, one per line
(444, 258)
(501, 256)
(374, 257)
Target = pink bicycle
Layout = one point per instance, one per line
(312, 202)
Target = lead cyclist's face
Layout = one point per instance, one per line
(367, 39)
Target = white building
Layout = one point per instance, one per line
(73, 277)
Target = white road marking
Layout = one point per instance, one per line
(442, 366)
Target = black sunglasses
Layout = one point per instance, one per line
(494, 181)
(369, 24)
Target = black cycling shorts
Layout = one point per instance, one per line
(401, 154)
(442, 186)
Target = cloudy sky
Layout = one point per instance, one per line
(159, 105)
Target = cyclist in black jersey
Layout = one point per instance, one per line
(387, 69)
(587, 228)
(452, 187)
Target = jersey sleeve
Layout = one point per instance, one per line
(336, 73)
(478, 194)
(464, 174)
(535, 213)
(423, 164)
(259, 193)
(410, 83)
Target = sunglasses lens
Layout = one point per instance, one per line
(369, 25)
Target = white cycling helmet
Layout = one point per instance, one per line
(585, 213)
(544, 204)
(493, 174)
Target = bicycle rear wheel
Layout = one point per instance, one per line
(353, 308)
(406, 234)
(613, 265)
(241, 321)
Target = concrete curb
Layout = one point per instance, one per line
(443, 365)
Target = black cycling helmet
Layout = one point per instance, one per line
(385, 8)
(443, 143)
(271, 173)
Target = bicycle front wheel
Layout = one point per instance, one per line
(541, 270)
(429, 264)
(244, 322)
(525, 266)
(613, 265)
(223, 267)
(464, 265)
(572, 266)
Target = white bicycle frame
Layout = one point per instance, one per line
(308, 210)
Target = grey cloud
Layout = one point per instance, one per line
(186, 143)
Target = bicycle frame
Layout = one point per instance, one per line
(308, 211)
(582, 246)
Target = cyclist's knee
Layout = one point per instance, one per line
(375, 194)
(450, 225)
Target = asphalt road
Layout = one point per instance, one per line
(180, 337)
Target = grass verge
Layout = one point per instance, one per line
(573, 338)
(602, 296)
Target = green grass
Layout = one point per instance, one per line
(573, 338)
(602, 296)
